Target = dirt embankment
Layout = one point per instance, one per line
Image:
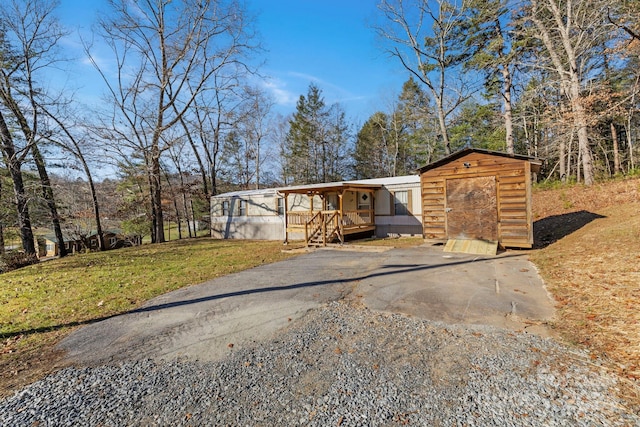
(589, 240)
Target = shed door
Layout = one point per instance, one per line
(472, 211)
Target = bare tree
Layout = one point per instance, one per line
(569, 30)
(166, 53)
(212, 118)
(68, 141)
(625, 15)
(14, 159)
(34, 34)
(494, 54)
(427, 37)
(244, 150)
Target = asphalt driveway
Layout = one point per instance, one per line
(210, 320)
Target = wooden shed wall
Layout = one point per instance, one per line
(513, 188)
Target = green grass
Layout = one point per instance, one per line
(83, 287)
(42, 303)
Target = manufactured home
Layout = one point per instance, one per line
(479, 194)
(320, 213)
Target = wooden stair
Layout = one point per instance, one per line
(322, 229)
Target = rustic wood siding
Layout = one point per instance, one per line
(433, 205)
(514, 206)
(513, 193)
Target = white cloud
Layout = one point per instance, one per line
(278, 90)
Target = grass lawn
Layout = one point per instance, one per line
(41, 304)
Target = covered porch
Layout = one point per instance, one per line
(331, 212)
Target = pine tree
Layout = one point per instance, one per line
(371, 156)
(314, 149)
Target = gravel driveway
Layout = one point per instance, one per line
(340, 362)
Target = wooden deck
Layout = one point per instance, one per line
(334, 215)
(329, 226)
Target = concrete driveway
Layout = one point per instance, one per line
(210, 320)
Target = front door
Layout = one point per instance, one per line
(472, 210)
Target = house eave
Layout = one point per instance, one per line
(535, 162)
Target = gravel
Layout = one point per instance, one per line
(341, 365)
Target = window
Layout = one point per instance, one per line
(364, 201)
(243, 208)
(280, 205)
(332, 202)
(225, 208)
(401, 203)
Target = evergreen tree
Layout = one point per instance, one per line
(399, 142)
(495, 54)
(371, 157)
(415, 125)
(315, 146)
(479, 126)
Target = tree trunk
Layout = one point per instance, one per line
(14, 166)
(178, 220)
(156, 201)
(583, 141)
(47, 194)
(562, 155)
(2, 244)
(565, 60)
(186, 212)
(203, 170)
(155, 190)
(443, 128)
(193, 216)
(616, 149)
(508, 117)
(580, 123)
(77, 152)
(2, 251)
(632, 163)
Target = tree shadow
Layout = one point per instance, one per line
(553, 228)
(385, 270)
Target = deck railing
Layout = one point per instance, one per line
(325, 226)
(358, 218)
(299, 218)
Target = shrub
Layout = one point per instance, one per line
(13, 260)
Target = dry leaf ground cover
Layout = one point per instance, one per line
(41, 304)
(590, 260)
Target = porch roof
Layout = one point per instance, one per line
(329, 187)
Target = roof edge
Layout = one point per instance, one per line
(465, 151)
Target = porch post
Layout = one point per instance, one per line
(372, 208)
(323, 218)
(340, 215)
(286, 218)
(306, 225)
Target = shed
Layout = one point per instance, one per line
(479, 194)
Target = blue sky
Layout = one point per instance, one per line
(327, 42)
